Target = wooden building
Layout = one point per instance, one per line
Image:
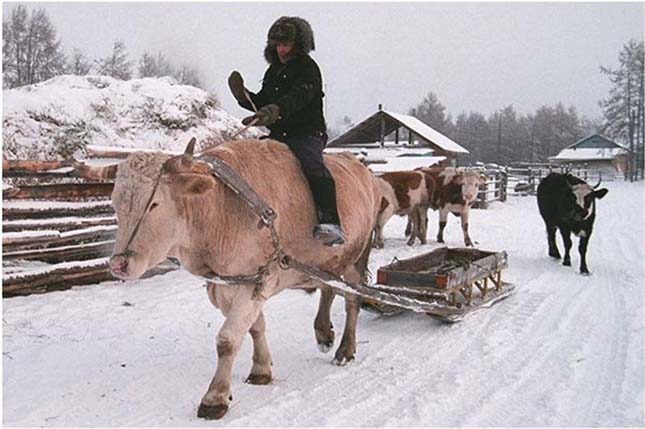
(596, 154)
(372, 132)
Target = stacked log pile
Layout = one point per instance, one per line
(58, 229)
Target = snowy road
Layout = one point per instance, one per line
(565, 350)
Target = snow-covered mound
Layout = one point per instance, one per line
(60, 116)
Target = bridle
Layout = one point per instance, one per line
(126, 250)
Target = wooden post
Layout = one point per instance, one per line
(396, 136)
(504, 184)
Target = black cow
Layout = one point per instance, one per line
(569, 204)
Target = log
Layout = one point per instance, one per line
(31, 165)
(89, 235)
(56, 278)
(119, 153)
(11, 213)
(60, 225)
(62, 278)
(60, 191)
(55, 255)
(62, 173)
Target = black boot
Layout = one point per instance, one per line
(328, 229)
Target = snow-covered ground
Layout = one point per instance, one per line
(565, 350)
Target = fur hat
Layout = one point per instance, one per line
(289, 29)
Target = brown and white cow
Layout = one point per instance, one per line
(198, 220)
(403, 192)
(455, 190)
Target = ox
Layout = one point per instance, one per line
(191, 216)
(568, 204)
(403, 192)
(455, 191)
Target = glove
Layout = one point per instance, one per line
(265, 116)
(236, 85)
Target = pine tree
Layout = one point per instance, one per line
(623, 109)
(432, 112)
(31, 51)
(116, 64)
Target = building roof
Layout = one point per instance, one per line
(595, 147)
(595, 141)
(369, 131)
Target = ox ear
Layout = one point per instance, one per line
(600, 193)
(193, 184)
(482, 179)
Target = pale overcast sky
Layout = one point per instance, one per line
(474, 56)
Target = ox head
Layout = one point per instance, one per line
(470, 182)
(583, 198)
(151, 194)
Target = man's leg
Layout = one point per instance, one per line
(309, 151)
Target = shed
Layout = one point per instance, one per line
(383, 122)
(595, 153)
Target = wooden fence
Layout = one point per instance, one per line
(524, 178)
(495, 188)
(58, 229)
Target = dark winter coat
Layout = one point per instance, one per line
(296, 87)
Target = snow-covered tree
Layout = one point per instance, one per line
(79, 64)
(154, 65)
(186, 75)
(623, 109)
(116, 64)
(31, 52)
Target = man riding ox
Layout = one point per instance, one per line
(568, 204)
(174, 207)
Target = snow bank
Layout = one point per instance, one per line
(57, 117)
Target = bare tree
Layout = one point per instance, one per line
(31, 51)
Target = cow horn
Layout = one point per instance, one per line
(187, 157)
(95, 173)
(598, 184)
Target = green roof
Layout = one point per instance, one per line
(595, 141)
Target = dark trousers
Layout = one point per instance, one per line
(309, 151)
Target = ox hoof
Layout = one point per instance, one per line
(325, 347)
(343, 361)
(440, 240)
(566, 263)
(585, 273)
(258, 379)
(212, 412)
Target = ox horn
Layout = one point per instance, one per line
(598, 184)
(94, 173)
(187, 157)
